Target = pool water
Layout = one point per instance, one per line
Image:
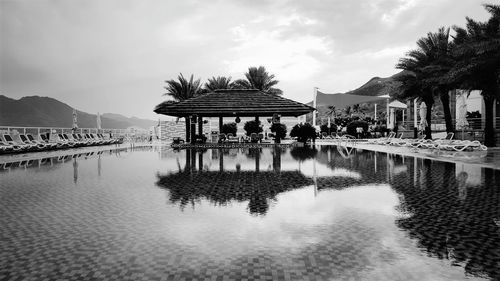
(324, 213)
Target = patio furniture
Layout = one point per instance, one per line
(222, 138)
(461, 145)
(177, 140)
(47, 145)
(254, 138)
(36, 146)
(17, 146)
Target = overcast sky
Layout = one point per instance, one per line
(114, 56)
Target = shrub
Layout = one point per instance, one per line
(252, 126)
(230, 128)
(351, 127)
(279, 130)
(303, 132)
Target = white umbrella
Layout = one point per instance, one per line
(423, 112)
(98, 121)
(75, 122)
(462, 111)
(392, 116)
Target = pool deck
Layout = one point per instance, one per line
(489, 158)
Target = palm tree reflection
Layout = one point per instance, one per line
(446, 223)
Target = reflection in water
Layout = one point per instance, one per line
(448, 218)
(451, 221)
(374, 216)
(259, 188)
(75, 170)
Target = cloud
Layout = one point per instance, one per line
(84, 52)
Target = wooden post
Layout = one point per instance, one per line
(200, 125)
(188, 133)
(193, 131)
(220, 124)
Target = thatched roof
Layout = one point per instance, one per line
(227, 103)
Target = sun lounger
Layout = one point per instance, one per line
(222, 138)
(69, 138)
(232, 139)
(91, 140)
(101, 139)
(431, 144)
(36, 146)
(397, 141)
(44, 144)
(17, 146)
(55, 144)
(461, 145)
(80, 140)
(385, 140)
(4, 147)
(109, 139)
(61, 139)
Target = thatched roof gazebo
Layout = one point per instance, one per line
(231, 103)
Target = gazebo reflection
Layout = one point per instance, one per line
(257, 187)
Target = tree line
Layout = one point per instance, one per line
(469, 60)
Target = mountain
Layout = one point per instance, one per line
(35, 111)
(378, 86)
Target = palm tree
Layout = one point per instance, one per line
(478, 63)
(332, 111)
(258, 78)
(183, 89)
(426, 68)
(218, 83)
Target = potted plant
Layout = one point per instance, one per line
(252, 126)
(230, 128)
(279, 131)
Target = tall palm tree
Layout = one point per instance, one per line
(258, 78)
(218, 83)
(332, 111)
(478, 63)
(183, 89)
(427, 66)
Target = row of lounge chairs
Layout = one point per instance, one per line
(27, 142)
(447, 143)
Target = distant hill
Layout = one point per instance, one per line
(378, 86)
(35, 111)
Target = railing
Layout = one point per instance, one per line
(439, 124)
(127, 133)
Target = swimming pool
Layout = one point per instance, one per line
(322, 213)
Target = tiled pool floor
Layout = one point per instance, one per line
(248, 214)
